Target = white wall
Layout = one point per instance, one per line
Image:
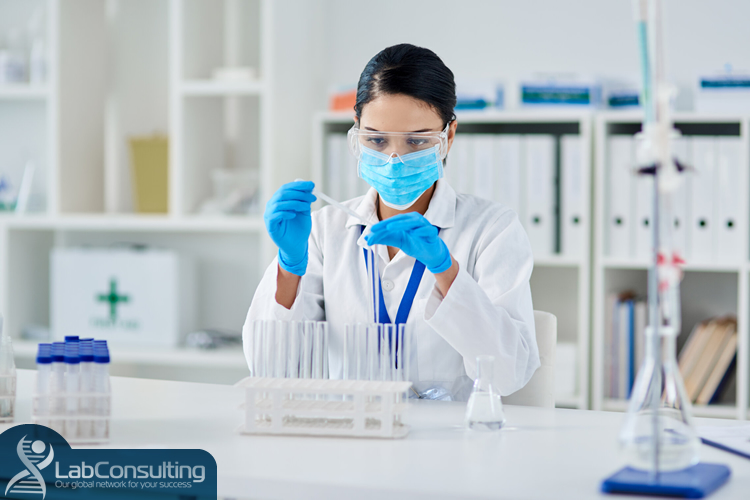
(322, 43)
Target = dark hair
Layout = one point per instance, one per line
(410, 70)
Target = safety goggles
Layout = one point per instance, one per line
(396, 143)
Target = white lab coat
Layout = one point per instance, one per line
(488, 309)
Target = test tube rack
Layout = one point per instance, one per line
(81, 418)
(325, 407)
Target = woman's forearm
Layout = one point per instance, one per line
(446, 278)
(286, 287)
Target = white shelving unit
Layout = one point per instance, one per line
(709, 288)
(125, 68)
(560, 283)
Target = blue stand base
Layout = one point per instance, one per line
(697, 481)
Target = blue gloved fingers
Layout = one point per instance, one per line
(409, 227)
(385, 238)
(291, 195)
(305, 186)
(295, 206)
(399, 225)
(278, 215)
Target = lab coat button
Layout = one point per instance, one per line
(387, 285)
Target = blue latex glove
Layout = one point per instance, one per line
(415, 236)
(288, 222)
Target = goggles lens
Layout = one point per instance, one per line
(400, 143)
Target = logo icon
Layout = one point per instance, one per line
(113, 299)
(32, 456)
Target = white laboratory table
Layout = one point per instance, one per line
(542, 453)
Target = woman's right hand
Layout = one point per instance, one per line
(288, 222)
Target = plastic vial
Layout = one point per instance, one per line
(57, 386)
(72, 388)
(85, 427)
(484, 410)
(7, 377)
(43, 381)
(678, 444)
(102, 392)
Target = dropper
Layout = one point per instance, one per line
(317, 192)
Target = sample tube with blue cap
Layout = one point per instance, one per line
(101, 391)
(43, 381)
(72, 387)
(58, 382)
(86, 350)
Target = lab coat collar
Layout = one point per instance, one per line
(440, 213)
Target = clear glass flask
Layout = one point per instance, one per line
(678, 443)
(484, 411)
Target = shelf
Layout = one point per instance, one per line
(568, 401)
(174, 357)
(198, 88)
(640, 265)
(713, 411)
(23, 91)
(114, 223)
(557, 262)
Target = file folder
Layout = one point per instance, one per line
(703, 228)
(681, 227)
(573, 219)
(539, 152)
(619, 188)
(644, 206)
(459, 165)
(334, 165)
(729, 238)
(509, 183)
(484, 166)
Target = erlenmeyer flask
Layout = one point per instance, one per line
(678, 442)
(484, 410)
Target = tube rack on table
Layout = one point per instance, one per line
(324, 407)
(81, 418)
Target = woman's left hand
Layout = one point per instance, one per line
(415, 236)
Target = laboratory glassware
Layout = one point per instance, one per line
(678, 443)
(288, 349)
(658, 433)
(484, 411)
(377, 352)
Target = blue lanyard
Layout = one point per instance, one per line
(407, 300)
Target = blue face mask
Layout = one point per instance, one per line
(400, 180)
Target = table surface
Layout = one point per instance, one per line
(542, 453)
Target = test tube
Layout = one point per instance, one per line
(294, 351)
(102, 391)
(85, 428)
(308, 349)
(58, 385)
(43, 378)
(72, 388)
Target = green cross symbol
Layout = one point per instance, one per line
(113, 298)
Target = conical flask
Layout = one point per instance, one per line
(484, 411)
(659, 385)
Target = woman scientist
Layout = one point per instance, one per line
(474, 298)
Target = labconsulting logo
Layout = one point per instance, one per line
(37, 462)
(32, 456)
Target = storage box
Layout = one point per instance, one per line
(126, 296)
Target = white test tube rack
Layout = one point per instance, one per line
(324, 407)
(80, 417)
